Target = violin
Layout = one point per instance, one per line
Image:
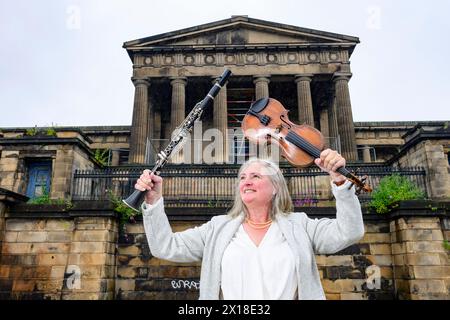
(267, 121)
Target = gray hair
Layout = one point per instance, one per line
(281, 202)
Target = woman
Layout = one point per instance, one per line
(260, 249)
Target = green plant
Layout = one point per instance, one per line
(392, 189)
(446, 245)
(32, 132)
(50, 132)
(45, 199)
(126, 214)
(102, 156)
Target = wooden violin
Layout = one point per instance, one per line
(267, 121)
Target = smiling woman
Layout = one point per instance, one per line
(260, 249)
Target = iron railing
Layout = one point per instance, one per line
(214, 185)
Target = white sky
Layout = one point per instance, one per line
(62, 62)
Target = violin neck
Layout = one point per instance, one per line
(312, 150)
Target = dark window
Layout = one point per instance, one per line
(39, 175)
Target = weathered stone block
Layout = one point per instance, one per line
(323, 260)
(135, 228)
(91, 259)
(4, 271)
(424, 246)
(399, 259)
(16, 248)
(57, 272)
(88, 247)
(42, 272)
(62, 225)
(49, 285)
(419, 235)
(32, 236)
(423, 259)
(376, 238)
(125, 284)
(59, 236)
(23, 285)
(92, 236)
(380, 249)
(353, 296)
(10, 236)
(431, 272)
(381, 260)
(91, 271)
(50, 247)
(129, 250)
(398, 248)
(24, 225)
(56, 259)
(428, 286)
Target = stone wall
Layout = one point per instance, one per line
(77, 253)
(49, 254)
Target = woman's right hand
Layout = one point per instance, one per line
(152, 184)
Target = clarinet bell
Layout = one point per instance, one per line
(135, 200)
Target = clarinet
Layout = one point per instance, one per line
(135, 200)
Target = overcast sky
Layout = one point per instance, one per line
(62, 62)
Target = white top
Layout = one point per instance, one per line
(251, 272)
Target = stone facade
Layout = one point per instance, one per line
(66, 151)
(427, 146)
(265, 58)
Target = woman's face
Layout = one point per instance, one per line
(255, 186)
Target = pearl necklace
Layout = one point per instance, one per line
(258, 225)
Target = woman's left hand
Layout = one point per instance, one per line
(330, 161)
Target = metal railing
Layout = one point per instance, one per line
(214, 185)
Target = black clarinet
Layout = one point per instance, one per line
(135, 200)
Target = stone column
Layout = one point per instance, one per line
(139, 125)
(305, 108)
(220, 121)
(261, 91)
(115, 157)
(150, 132)
(324, 127)
(344, 116)
(333, 125)
(261, 86)
(177, 110)
(366, 154)
(157, 130)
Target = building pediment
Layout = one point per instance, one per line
(239, 31)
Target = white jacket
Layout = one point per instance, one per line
(305, 236)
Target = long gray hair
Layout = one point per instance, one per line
(281, 202)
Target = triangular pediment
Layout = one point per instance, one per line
(239, 31)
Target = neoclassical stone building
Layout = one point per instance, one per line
(306, 70)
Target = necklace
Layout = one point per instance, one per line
(258, 225)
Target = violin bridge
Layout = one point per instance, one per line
(278, 129)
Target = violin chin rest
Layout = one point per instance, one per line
(259, 105)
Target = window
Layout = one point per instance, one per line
(39, 175)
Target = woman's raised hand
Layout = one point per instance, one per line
(330, 161)
(150, 182)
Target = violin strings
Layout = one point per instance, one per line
(300, 142)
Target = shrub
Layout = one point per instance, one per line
(102, 156)
(45, 199)
(126, 214)
(392, 189)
